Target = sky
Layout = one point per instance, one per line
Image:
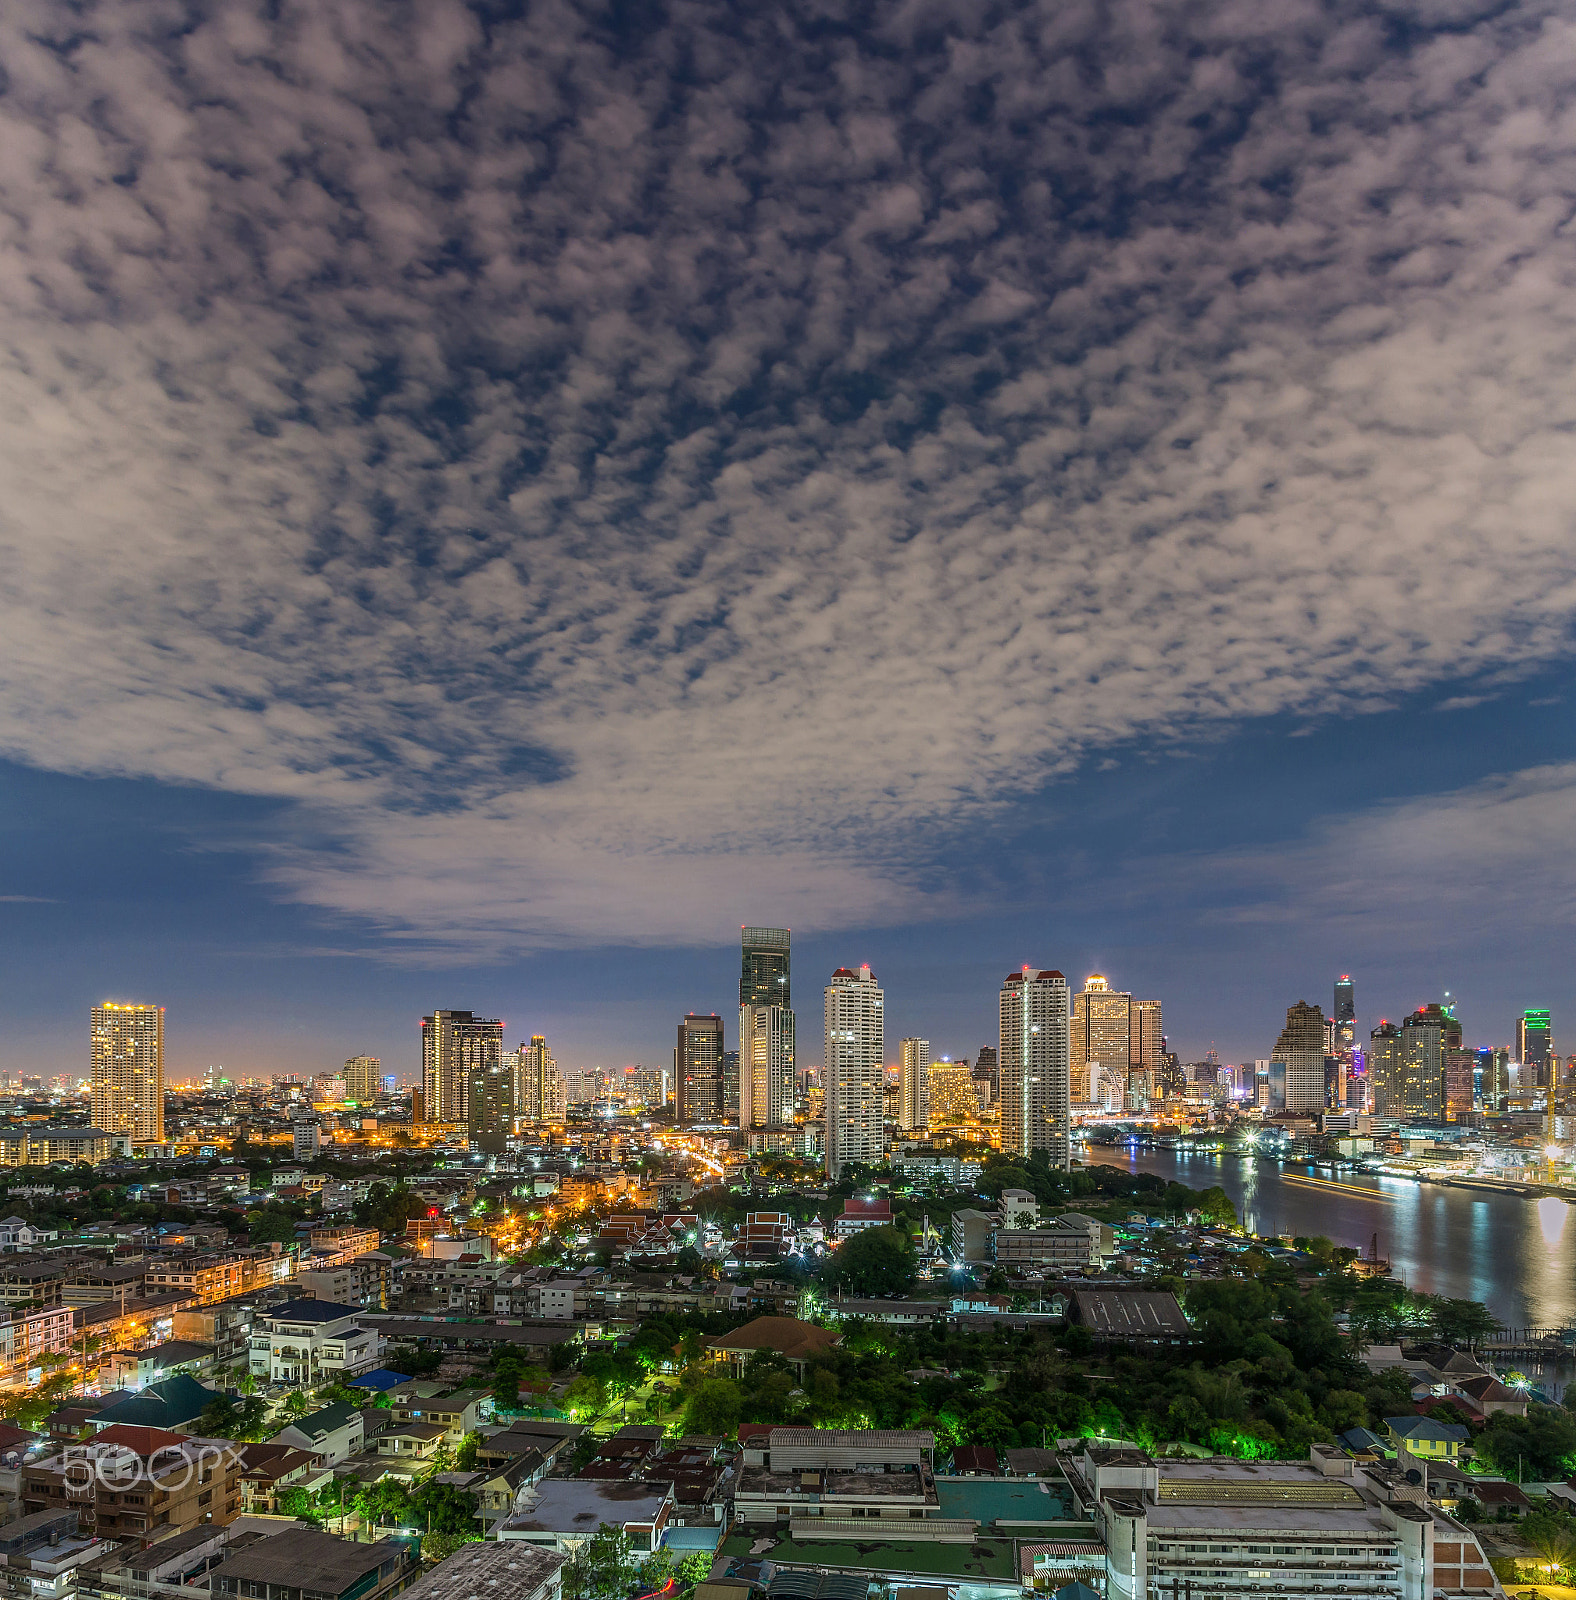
(496, 496)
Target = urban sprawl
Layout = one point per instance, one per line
(748, 1329)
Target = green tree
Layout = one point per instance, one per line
(876, 1261)
(1552, 1534)
(694, 1568)
(1216, 1206)
(603, 1566)
(1540, 1446)
(715, 1407)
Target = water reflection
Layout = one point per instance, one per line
(1516, 1255)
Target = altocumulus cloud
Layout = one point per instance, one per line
(605, 473)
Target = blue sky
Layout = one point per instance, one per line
(497, 496)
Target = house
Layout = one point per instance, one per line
(298, 1561)
(796, 1342)
(459, 1413)
(329, 1434)
(268, 1468)
(135, 1369)
(1364, 1444)
(1424, 1437)
(310, 1342)
(500, 1571)
(169, 1403)
(17, 1233)
(1486, 1395)
(412, 1441)
(975, 1460)
(861, 1212)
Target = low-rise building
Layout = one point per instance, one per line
(830, 1473)
(1056, 1248)
(136, 1369)
(296, 1562)
(971, 1231)
(511, 1571)
(1427, 1439)
(329, 1434)
(796, 1342)
(562, 1513)
(1131, 1316)
(37, 1144)
(1328, 1526)
(40, 1554)
(457, 1414)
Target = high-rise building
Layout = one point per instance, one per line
(1297, 1061)
(128, 1070)
(306, 1138)
(458, 1051)
(538, 1090)
(768, 1087)
(1535, 1047)
(1034, 1076)
(697, 1069)
(361, 1079)
(1460, 1083)
(1426, 1036)
(1384, 1069)
(952, 1095)
(644, 1086)
(913, 1086)
(730, 1087)
(855, 1071)
(1101, 1045)
(1344, 1014)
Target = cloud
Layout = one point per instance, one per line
(1460, 872)
(615, 477)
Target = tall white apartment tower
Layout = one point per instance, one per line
(1034, 1065)
(128, 1070)
(855, 1076)
(913, 1086)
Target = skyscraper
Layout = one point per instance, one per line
(458, 1050)
(1345, 1011)
(697, 1069)
(952, 1095)
(1425, 1036)
(1297, 1061)
(1034, 1072)
(538, 1093)
(361, 1079)
(128, 1070)
(1100, 1041)
(913, 1086)
(1147, 1073)
(489, 1118)
(1384, 1069)
(855, 1070)
(1534, 1047)
(767, 1084)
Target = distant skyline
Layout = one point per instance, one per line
(495, 501)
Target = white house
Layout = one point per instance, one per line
(310, 1342)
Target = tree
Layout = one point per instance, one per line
(694, 1568)
(1540, 1446)
(876, 1261)
(1463, 1321)
(715, 1407)
(272, 1224)
(1552, 1533)
(602, 1566)
(465, 1456)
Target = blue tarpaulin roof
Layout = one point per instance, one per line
(379, 1379)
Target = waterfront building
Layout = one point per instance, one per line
(1425, 1036)
(767, 1071)
(128, 1070)
(855, 1071)
(362, 1075)
(951, 1095)
(1384, 1069)
(697, 1069)
(913, 1085)
(457, 1047)
(1297, 1061)
(1034, 1075)
(1100, 1040)
(1460, 1083)
(1535, 1047)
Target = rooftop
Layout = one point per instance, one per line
(985, 1558)
(304, 1558)
(786, 1335)
(499, 1570)
(1003, 1501)
(569, 1505)
(311, 1311)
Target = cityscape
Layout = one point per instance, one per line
(787, 800)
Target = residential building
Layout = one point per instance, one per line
(1329, 1526)
(456, 1414)
(971, 1233)
(490, 1111)
(457, 1047)
(1033, 1071)
(697, 1070)
(330, 1434)
(1427, 1439)
(1425, 1036)
(334, 1247)
(835, 1476)
(1384, 1069)
(362, 1079)
(128, 1071)
(300, 1561)
(40, 1554)
(1019, 1209)
(768, 1084)
(538, 1090)
(855, 1071)
(37, 1144)
(26, 1335)
(913, 1086)
(1100, 1044)
(951, 1097)
(1344, 1013)
(510, 1570)
(730, 1088)
(1297, 1061)
(310, 1342)
(306, 1137)
(1061, 1246)
(179, 1482)
(924, 1166)
(136, 1369)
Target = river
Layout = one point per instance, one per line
(1515, 1254)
